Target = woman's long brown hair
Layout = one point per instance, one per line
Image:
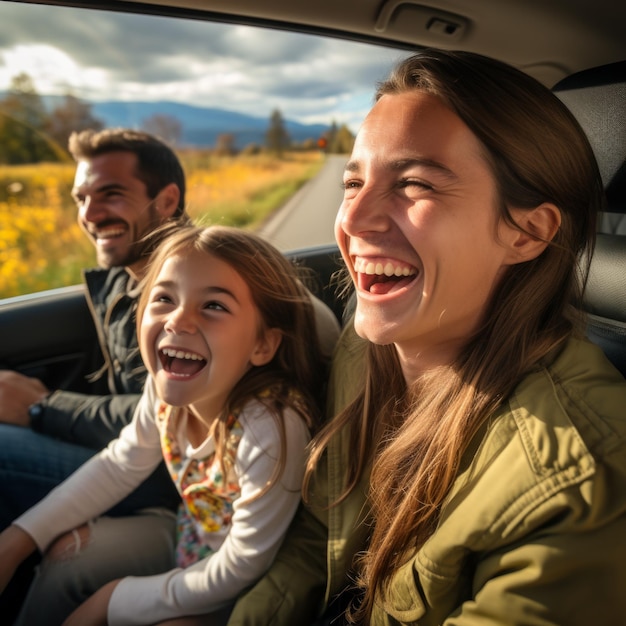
(415, 435)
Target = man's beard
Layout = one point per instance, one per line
(143, 243)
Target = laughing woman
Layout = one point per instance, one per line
(478, 467)
(497, 432)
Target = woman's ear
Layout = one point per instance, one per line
(167, 200)
(266, 347)
(539, 225)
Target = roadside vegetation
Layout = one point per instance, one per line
(42, 247)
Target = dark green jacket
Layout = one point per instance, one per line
(533, 531)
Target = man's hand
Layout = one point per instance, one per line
(17, 393)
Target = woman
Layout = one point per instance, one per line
(491, 433)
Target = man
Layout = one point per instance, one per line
(127, 185)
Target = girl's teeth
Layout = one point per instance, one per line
(179, 354)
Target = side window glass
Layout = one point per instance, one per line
(252, 113)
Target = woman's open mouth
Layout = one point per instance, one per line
(181, 363)
(382, 276)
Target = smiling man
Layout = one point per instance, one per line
(127, 184)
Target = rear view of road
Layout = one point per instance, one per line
(308, 218)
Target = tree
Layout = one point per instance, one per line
(167, 127)
(23, 134)
(277, 138)
(337, 140)
(343, 141)
(72, 115)
(225, 144)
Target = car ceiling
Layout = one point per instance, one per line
(549, 39)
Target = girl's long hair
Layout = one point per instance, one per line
(295, 377)
(415, 435)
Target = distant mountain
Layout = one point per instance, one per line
(200, 126)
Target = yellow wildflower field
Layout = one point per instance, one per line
(42, 246)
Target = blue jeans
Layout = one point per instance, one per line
(32, 464)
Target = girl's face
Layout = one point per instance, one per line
(418, 230)
(200, 332)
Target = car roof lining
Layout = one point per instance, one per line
(565, 37)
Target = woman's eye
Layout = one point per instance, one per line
(418, 184)
(351, 188)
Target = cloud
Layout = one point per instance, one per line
(100, 55)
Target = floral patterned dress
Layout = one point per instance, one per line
(207, 492)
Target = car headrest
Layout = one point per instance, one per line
(605, 298)
(597, 97)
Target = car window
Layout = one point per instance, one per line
(253, 113)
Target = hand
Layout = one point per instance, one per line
(93, 611)
(17, 393)
(15, 546)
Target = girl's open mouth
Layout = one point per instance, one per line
(181, 362)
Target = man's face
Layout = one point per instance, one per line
(114, 209)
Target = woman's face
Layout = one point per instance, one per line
(418, 229)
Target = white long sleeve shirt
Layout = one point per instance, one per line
(241, 555)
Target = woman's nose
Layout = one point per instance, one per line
(363, 212)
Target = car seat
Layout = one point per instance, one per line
(597, 97)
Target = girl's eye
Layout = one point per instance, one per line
(160, 297)
(215, 306)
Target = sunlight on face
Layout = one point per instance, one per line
(418, 227)
(199, 332)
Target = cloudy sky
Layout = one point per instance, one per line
(99, 55)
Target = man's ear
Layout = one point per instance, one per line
(167, 200)
(266, 347)
(539, 225)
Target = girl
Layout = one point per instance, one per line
(229, 403)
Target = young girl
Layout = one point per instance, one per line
(229, 403)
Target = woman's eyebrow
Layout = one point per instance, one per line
(399, 165)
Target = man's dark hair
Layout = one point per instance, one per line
(157, 164)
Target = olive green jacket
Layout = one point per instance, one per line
(533, 531)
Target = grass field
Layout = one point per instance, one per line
(42, 247)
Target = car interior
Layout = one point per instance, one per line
(577, 50)
(597, 97)
(575, 47)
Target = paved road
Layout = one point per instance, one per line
(308, 218)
